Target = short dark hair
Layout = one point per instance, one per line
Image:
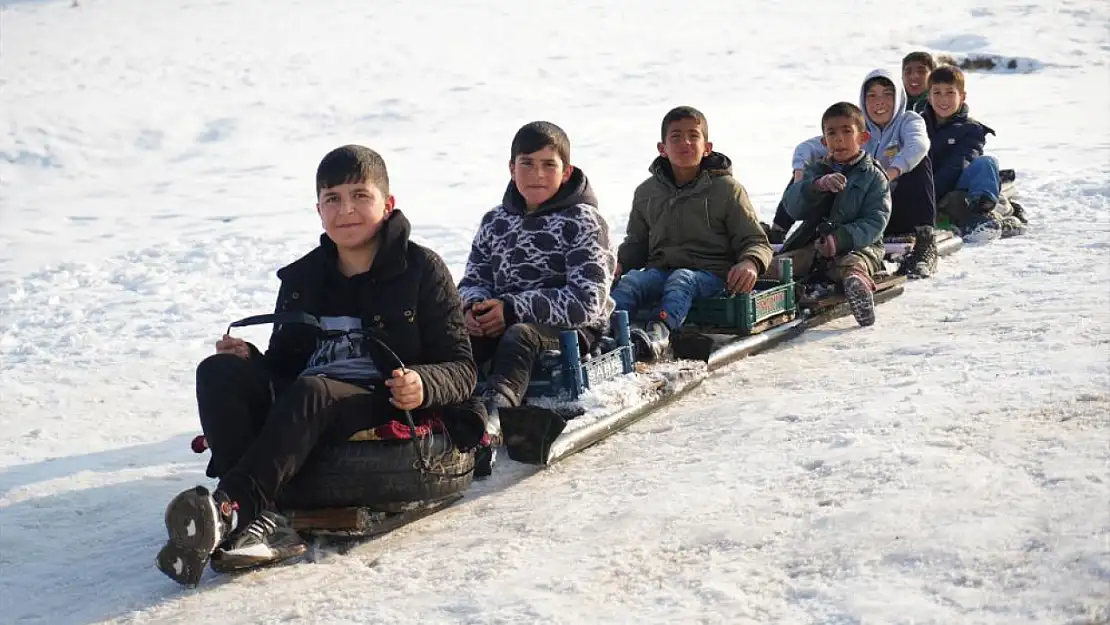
(948, 75)
(535, 136)
(918, 56)
(844, 109)
(352, 164)
(882, 80)
(679, 113)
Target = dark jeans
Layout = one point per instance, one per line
(260, 435)
(913, 202)
(514, 353)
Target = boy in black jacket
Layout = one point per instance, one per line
(263, 414)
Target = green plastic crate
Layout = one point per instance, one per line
(744, 311)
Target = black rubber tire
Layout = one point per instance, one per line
(376, 474)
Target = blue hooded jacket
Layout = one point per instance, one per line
(901, 144)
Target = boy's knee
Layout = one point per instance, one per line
(852, 263)
(308, 386)
(222, 369)
(522, 334)
(683, 277)
(633, 283)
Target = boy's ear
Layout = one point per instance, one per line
(708, 148)
(659, 146)
(390, 204)
(567, 171)
(963, 97)
(865, 135)
(512, 170)
(823, 142)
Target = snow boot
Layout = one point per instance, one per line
(859, 291)
(197, 522)
(982, 224)
(921, 262)
(651, 343)
(268, 539)
(486, 453)
(1018, 211)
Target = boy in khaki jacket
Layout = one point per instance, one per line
(692, 233)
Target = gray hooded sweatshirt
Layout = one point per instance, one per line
(901, 144)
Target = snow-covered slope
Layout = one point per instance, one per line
(949, 465)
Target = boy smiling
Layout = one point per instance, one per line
(692, 232)
(967, 181)
(540, 264)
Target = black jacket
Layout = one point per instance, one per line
(953, 145)
(409, 300)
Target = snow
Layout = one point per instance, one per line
(949, 465)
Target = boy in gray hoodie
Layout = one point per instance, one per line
(899, 143)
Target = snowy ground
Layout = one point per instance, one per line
(949, 465)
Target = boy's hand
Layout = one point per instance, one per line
(472, 326)
(618, 272)
(406, 389)
(742, 277)
(831, 183)
(490, 317)
(232, 345)
(892, 173)
(826, 246)
(798, 174)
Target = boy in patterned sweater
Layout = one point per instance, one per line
(540, 264)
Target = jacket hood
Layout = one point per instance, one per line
(716, 164)
(899, 100)
(576, 190)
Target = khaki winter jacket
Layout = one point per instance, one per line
(708, 224)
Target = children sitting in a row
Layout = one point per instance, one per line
(899, 143)
(954, 179)
(541, 263)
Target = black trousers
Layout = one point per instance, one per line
(514, 353)
(913, 202)
(260, 435)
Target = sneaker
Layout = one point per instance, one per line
(858, 290)
(1011, 226)
(197, 523)
(921, 262)
(652, 342)
(981, 228)
(268, 539)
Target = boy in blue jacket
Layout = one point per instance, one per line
(967, 180)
